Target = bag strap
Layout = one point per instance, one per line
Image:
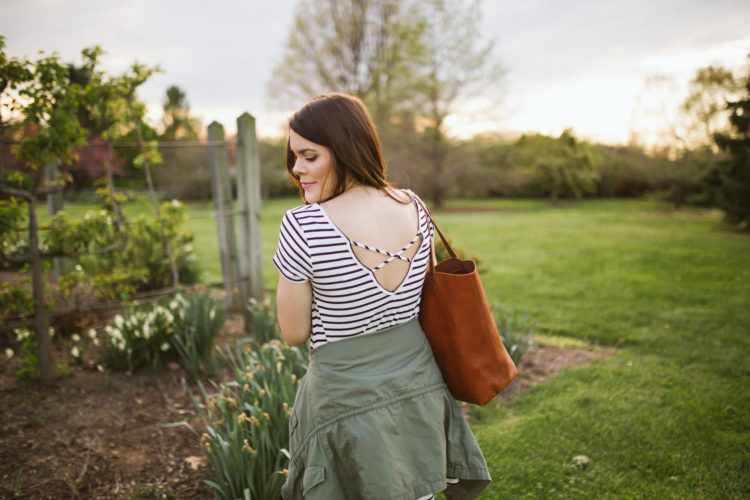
(431, 266)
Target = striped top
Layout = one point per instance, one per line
(347, 299)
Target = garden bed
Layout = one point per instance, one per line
(100, 435)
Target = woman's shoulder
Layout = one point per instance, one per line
(302, 216)
(302, 210)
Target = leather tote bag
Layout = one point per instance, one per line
(456, 318)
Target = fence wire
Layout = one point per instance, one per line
(95, 168)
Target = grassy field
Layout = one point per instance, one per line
(669, 415)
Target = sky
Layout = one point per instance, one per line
(579, 64)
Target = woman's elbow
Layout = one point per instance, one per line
(294, 311)
(294, 336)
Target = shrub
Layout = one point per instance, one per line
(183, 328)
(137, 260)
(140, 337)
(516, 335)
(143, 263)
(441, 253)
(14, 300)
(195, 331)
(26, 340)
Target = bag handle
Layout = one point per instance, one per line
(431, 266)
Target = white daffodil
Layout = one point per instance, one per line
(75, 337)
(75, 352)
(118, 321)
(92, 333)
(9, 352)
(164, 347)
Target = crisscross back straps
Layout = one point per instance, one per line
(391, 255)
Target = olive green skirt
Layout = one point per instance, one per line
(373, 419)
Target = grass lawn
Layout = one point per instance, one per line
(667, 417)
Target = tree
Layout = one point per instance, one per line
(564, 165)
(48, 104)
(704, 109)
(410, 61)
(14, 73)
(178, 124)
(41, 93)
(363, 47)
(733, 193)
(454, 62)
(183, 173)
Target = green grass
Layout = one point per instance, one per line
(667, 417)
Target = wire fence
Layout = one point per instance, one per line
(201, 163)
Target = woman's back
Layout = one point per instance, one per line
(365, 255)
(371, 217)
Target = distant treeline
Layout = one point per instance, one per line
(532, 166)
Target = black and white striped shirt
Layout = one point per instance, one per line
(347, 300)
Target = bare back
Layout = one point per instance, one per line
(378, 227)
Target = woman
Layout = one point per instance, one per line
(372, 417)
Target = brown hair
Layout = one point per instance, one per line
(341, 123)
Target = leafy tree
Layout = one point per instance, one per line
(49, 106)
(733, 193)
(704, 109)
(410, 61)
(178, 124)
(625, 171)
(274, 179)
(41, 93)
(183, 173)
(364, 47)
(563, 165)
(454, 61)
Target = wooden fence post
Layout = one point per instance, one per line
(249, 206)
(221, 187)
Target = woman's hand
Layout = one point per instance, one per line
(294, 310)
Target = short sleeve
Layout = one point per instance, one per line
(292, 256)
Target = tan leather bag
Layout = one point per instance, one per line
(456, 318)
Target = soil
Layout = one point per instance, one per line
(545, 362)
(100, 435)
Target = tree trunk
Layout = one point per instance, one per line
(111, 187)
(41, 324)
(553, 192)
(438, 167)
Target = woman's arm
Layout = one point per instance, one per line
(294, 309)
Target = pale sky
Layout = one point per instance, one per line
(576, 63)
